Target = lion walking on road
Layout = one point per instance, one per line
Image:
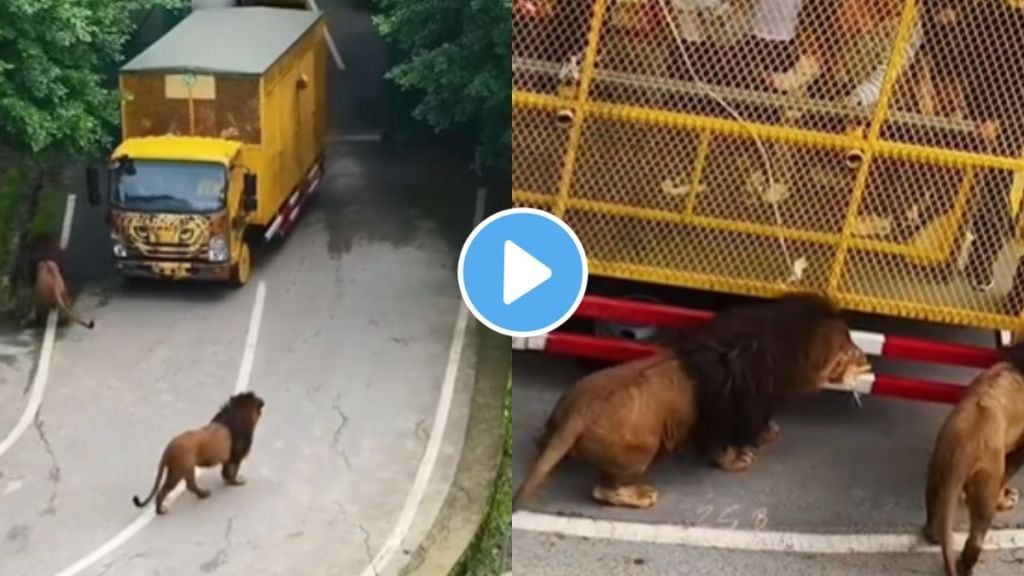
(225, 441)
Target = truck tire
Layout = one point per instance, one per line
(241, 271)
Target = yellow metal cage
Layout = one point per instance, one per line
(686, 145)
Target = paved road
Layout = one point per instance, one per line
(359, 312)
(549, 555)
(838, 470)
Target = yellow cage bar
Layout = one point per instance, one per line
(686, 146)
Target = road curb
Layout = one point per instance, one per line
(466, 505)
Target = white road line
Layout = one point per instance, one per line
(69, 217)
(242, 384)
(42, 374)
(481, 203)
(748, 540)
(252, 337)
(444, 404)
(330, 40)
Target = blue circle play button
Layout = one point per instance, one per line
(522, 272)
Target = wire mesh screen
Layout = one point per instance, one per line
(867, 148)
(221, 107)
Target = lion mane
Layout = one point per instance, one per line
(751, 359)
(237, 416)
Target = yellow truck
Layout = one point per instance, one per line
(223, 125)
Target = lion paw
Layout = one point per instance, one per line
(236, 481)
(1008, 500)
(733, 460)
(770, 435)
(636, 496)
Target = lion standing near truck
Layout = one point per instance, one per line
(717, 392)
(50, 292)
(978, 451)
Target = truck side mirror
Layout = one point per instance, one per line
(92, 185)
(249, 202)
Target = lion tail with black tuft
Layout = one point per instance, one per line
(161, 467)
(559, 444)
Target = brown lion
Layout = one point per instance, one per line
(50, 292)
(225, 441)
(977, 452)
(716, 392)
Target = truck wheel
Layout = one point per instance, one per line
(242, 270)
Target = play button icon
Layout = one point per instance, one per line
(522, 272)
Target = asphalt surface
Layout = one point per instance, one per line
(839, 469)
(360, 309)
(548, 555)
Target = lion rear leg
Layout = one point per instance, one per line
(983, 495)
(172, 480)
(621, 482)
(193, 486)
(734, 459)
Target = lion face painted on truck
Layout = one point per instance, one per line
(715, 391)
(188, 234)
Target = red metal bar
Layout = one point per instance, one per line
(616, 350)
(917, 350)
(895, 347)
(918, 390)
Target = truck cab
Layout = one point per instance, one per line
(178, 207)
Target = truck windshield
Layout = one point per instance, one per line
(159, 186)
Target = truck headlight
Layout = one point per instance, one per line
(119, 250)
(218, 250)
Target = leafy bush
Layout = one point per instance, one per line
(458, 56)
(53, 54)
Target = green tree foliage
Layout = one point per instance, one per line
(458, 55)
(53, 54)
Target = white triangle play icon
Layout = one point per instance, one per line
(523, 273)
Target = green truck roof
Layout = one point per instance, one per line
(243, 41)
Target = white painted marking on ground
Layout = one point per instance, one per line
(252, 337)
(42, 375)
(242, 384)
(749, 540)
(69, 217)
(481, 203)
(13, 486)
(330, 41)
(444, 404)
